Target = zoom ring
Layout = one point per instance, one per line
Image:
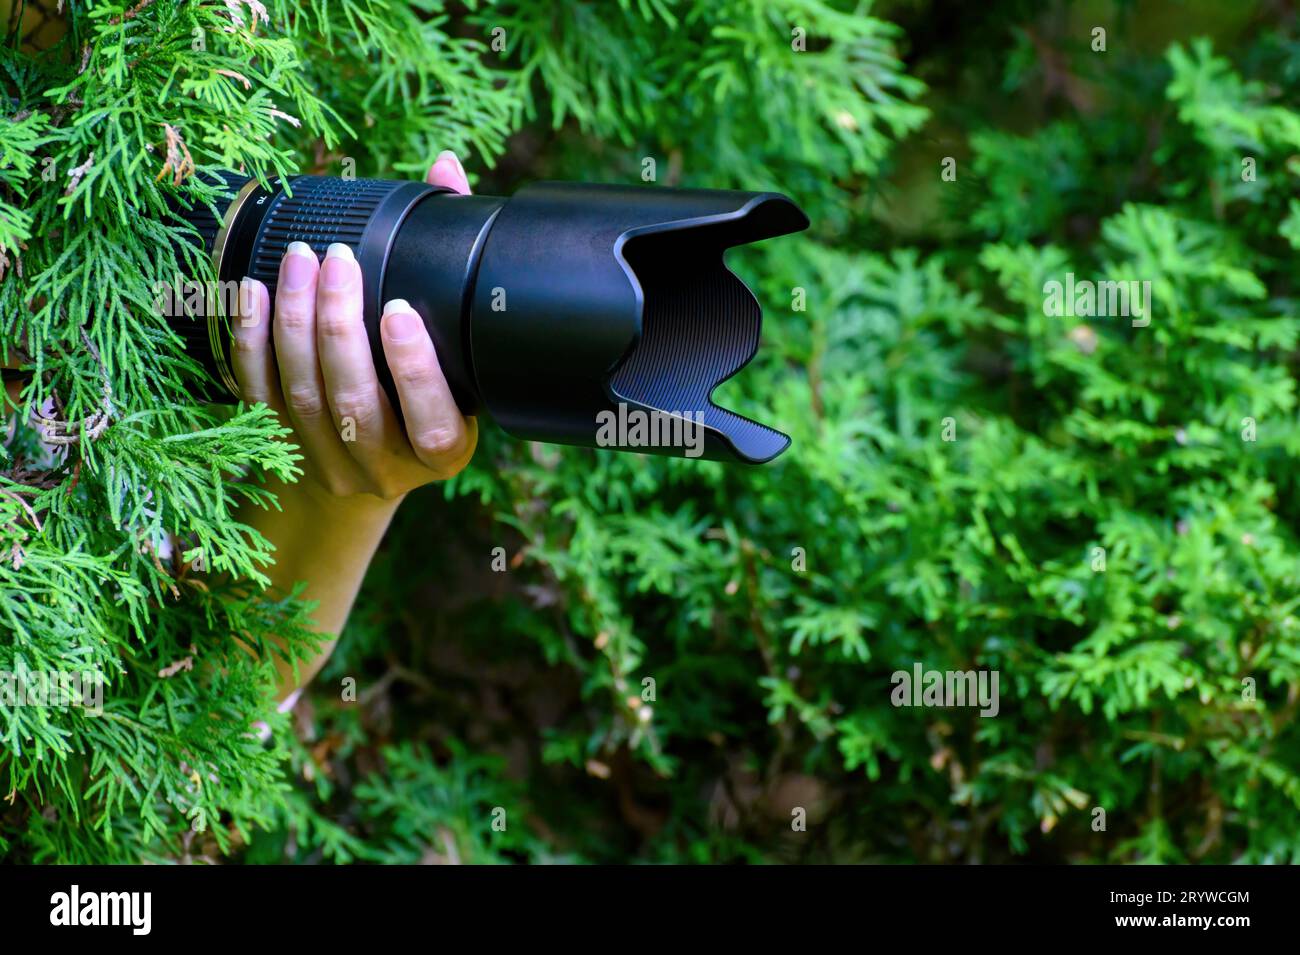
(322, 211)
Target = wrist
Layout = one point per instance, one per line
(311, 494)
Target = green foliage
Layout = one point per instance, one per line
(1112, 529)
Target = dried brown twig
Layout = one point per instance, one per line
(131, 14)
(57, 430)
(75, 175)
(179, 161)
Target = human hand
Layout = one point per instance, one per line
(321, 378)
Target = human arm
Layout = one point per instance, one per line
(320, 379)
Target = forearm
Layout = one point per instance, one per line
(326, 542)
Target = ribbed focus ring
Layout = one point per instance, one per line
(321, 211)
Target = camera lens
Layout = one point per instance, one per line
(595, 315)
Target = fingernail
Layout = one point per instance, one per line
(400, 323)
(336, 272)
(447, 169)
(449, 156)
(298, 261)
(451, 164)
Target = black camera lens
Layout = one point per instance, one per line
(595, 315)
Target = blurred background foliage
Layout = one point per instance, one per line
(1121, 689)
(771, 605)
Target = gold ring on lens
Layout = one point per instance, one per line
(216, 339)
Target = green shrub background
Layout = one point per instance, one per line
(769, 605)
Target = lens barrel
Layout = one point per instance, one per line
(595, 315)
